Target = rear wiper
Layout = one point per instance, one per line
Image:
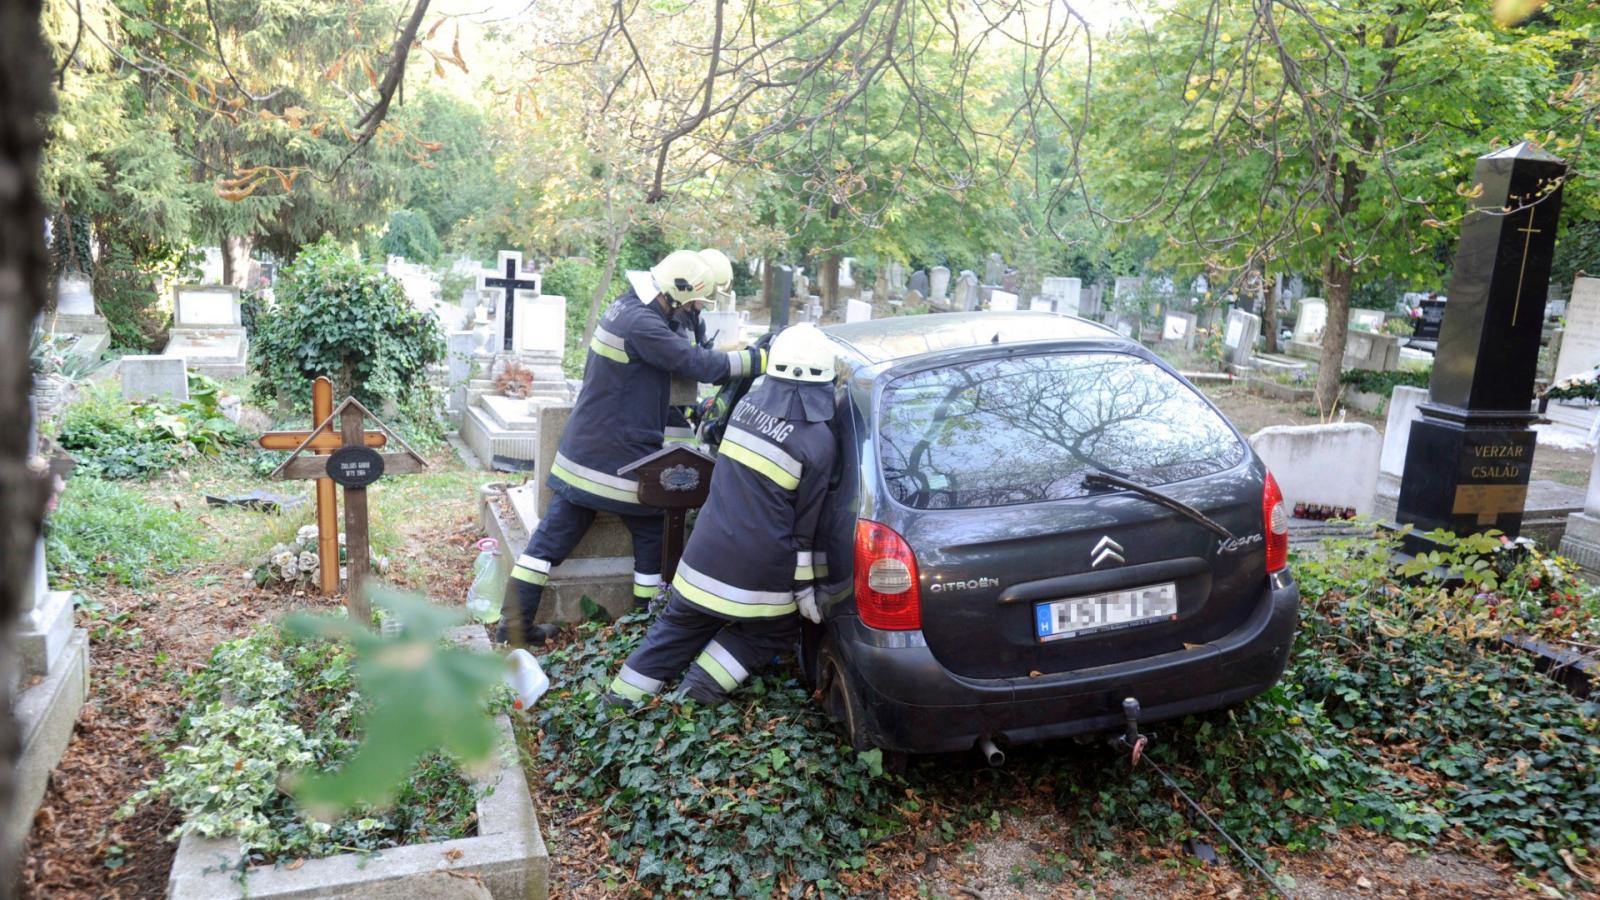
(1107, 480)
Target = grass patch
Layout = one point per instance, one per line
(105, 532)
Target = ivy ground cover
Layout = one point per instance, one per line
(1400, 717)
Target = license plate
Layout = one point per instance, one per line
(1057, 619)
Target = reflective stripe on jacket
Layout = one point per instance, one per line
(753, 541)
(621, 412)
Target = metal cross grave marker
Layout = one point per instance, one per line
(348, 459)
(510, 284)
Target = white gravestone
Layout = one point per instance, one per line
(1178, 328)
(966, 292)
(1004, 301)
(541, 325)
(857, 311)
(76, 297)
(1240, 336)
(1063, 293)
(505, 282)
(206, 306)
(1313, 317)
(1366, 320)
(938, 284)
(1328, 465)
(1580, 344)
(154, 378)
(1040, 304)
(208, 331)
(1404, 408)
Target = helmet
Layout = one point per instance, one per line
(721, 268)
(801, 353)
(683, 276)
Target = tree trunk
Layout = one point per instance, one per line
(598, 298)
(236, 261)
(767, 263)
(25, 69)
(1336, 290)
(1269, 315)
(828, 280)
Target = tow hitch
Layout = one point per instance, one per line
(1133, 743)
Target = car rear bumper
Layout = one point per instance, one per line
(913, 704)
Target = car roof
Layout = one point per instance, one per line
(899, 337)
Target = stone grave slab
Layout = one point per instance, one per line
(154, 378)
(1366, 319)
(1580, 341)
(1177, 328)
(1239, 336)
(1327, 465)
(938, 285)
(206, 306)
(1369, 350)
(1311, 319)
(857, 310)
(1063, 293)
(1040, 304)
(217, 353)
(506, 859)
(1403, 409)
(1004, 301)
(965, 298)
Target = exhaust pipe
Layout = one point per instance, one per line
(994, 755)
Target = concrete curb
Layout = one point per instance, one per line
(507, 859)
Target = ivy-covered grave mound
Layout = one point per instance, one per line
(752, 797)
(266, 707)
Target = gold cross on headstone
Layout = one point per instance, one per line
(1527, 240)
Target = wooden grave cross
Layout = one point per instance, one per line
(327, 502)
(352, 463)
(674, 479)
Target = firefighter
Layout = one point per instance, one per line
(687, 320)
(619, 417)
(749, 565)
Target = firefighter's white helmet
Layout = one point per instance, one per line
(683, 276)
(801, 353)
(721, 268)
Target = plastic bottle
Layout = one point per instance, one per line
(483, 596)
(526, 678)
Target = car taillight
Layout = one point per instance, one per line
(887, 594)
(1275, 520)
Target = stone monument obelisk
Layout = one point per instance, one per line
(1470, 453)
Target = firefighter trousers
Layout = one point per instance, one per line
(563, 526)
(720, 653)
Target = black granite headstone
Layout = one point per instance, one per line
(919, 282)
(1471, 452)
(1427, 326)
(782, 290)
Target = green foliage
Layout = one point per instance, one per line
(751, 797)
(268, 704)
(410, 235)
(125, 280)
(111, 438)
(575, 280)
(1412, 673)
(104, 532)
(335, 317)
(422, 697)
(1372, 381)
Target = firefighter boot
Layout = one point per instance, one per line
(517, 612)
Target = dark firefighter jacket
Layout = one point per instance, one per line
(621, 412)
(752, 544)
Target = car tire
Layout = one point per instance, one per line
(840, 701)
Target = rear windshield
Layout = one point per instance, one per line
(1025, 429)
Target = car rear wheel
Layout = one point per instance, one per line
(841, 701)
